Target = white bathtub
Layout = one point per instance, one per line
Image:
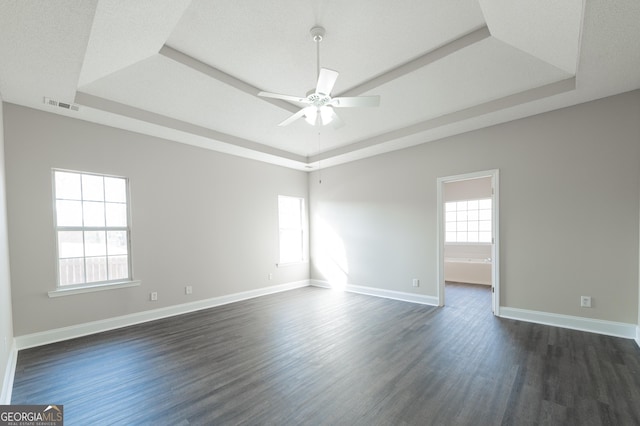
(467, 270)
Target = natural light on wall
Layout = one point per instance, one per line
(331, 256)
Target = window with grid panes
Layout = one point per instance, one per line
(468, 221)
(92, 228)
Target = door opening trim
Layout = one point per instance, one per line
(495, 247)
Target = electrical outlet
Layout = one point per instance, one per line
(188, 290)
(416, 282)
(153, 296)
(270, 277)
(585, 301)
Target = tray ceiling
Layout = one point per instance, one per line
(190, 70)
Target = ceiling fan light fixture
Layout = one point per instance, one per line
(326, 114)
(311, 115)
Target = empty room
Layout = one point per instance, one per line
(218, 212)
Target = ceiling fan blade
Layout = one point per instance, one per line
(284, 97)
(356, 101)
(326, 80)
(292, 118)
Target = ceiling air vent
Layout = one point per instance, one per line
(53, 102)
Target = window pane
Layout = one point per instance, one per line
(118, 267)
(96, 269)
(116, 242)
(290, 246)
(484, 237)
(115, 189)
(71, 271)
(95, 244)
(92, 188)
(485, 215)
(472, 220)
(116, 214)
(69, 213)
(93, 213)
(67, 185)
(70, 244)
(289, 210)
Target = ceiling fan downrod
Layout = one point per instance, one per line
(317, 34)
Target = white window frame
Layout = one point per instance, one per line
(466, 222)
(300, 229)
(68, 289)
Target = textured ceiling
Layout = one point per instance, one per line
(190, 70)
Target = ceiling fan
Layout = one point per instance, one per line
(319, 106)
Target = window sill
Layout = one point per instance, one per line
(467, 244)
(93, 288)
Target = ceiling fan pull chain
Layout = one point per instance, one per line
(319, 168)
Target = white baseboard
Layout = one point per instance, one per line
(610, 328)
(379, 292)
(9, 374)
(638, 335)
(71, 332)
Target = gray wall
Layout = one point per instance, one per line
(6, 326)
(199, 218)
(569, 189)
(210, 220)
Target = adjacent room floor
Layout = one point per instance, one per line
(321, 357)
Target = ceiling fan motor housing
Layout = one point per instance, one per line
(318, 99)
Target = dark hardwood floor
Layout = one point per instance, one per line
(314, 356)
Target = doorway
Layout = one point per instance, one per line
(482, 241)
